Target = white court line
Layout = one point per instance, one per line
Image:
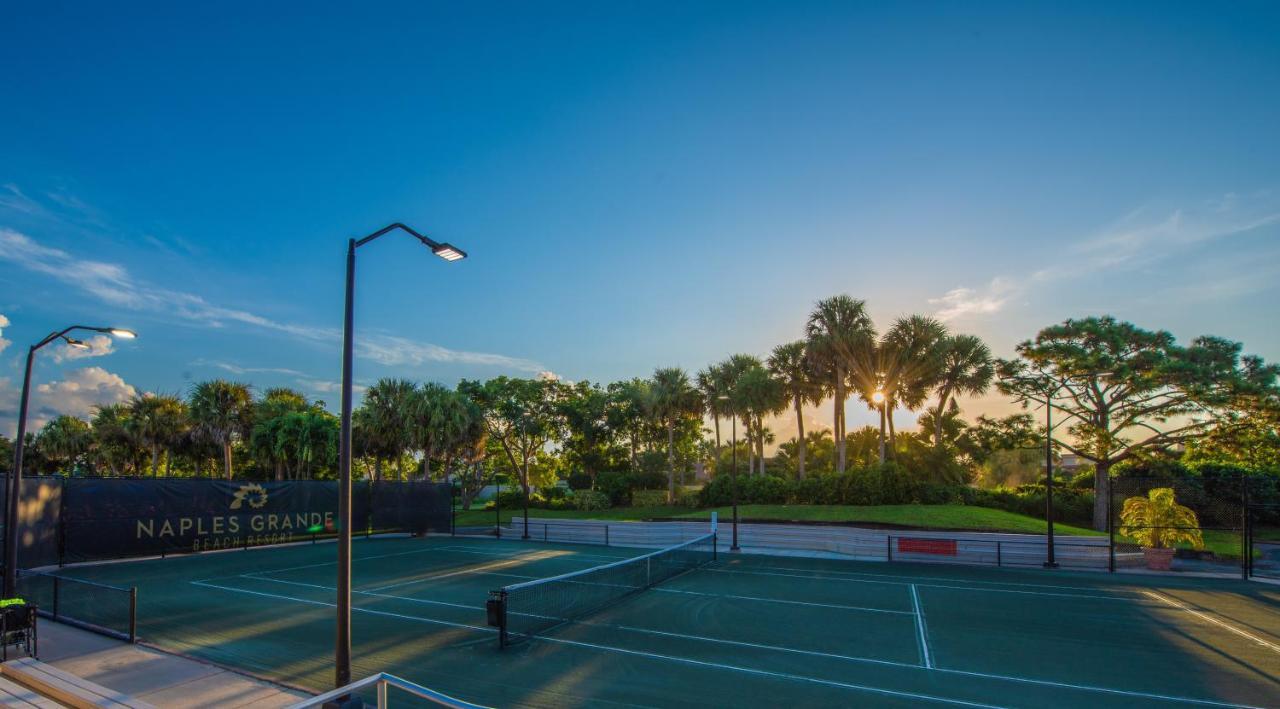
(463, 572)
(924, 635)
(1222, 624)
(576, 555)
(917, 579)
(563, 641)
(922, 585)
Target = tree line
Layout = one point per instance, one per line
(1120, 392)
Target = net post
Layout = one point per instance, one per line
(606, 535)
(999, 560)
(1246, 550)
(56, 593)
(715, 545)
(133, 614)
(888, 547)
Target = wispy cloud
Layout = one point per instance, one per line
(4, 322)
(960, 302)
(113, 284)
(1140, 238)
(237, 369)
(325, 386)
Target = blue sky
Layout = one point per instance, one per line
(638, 185)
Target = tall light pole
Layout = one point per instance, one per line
(342, 650)
(1048, 392)
(733, 493)
(14, 485)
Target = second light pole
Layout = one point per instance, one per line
(342, 651)
(733, 494)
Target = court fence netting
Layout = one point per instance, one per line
(523, 610)
(97, 607)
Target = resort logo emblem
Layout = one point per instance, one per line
(253, 493)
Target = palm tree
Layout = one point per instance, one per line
(224, 411)
(966, 368)
(908, 361)
(156, 422)
(64, 439)
(673, 399)
(841, 339)
(791, 367)
(713, 385)
(113, 444)
(757, 394)
(386, 416)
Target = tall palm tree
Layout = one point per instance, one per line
(908, 361)
(386, 412)
(790, 365)
(224, 411)
(966, 369)
(758, 394)
(157, 422)
(712, 383)
(841, 339)
(113, 444)
(63, 440)
(673, 399)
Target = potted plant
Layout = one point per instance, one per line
(1159, 523)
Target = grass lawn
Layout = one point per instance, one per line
(955, 517)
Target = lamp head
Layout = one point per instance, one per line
(449, 252)
(78, 344)
(123, 333)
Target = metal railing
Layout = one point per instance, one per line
(381, 682)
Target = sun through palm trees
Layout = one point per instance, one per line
(966, 369)
(841, 339)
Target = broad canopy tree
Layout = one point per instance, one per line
(1126, 392)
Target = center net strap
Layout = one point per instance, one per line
(523, 610)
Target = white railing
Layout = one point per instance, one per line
(382, 681)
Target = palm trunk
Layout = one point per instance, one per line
(937, 418)
(893, 438)
(800, 435)
(671, 462)
(226, 459)
(760, 442)
(716, 417)
(839, 421)
(155, 461)
(168, 463)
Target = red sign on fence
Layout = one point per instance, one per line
(941, 547)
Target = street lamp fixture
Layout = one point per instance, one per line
(342, 650)
(14, 484)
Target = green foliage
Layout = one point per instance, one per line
(1158, 521)
(1011, 467)
(591, 500)
(648, 498)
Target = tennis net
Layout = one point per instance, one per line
(523, 610)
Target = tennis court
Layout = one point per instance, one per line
(743, 630)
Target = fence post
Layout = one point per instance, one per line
(888, 547)
(999, 559)
(1111, 531)
(453, 511)
(62, 523)
(133, 614)
(606, 535)
(56, 593)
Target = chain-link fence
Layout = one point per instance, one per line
(1179, 524)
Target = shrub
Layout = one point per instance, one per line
(579, 481)
(562, 503)
(591, 500)
(689, 498)
(616, 487)
(649, 498)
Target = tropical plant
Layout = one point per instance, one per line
(757, 394)
(907, 362)
(673, 400)
(1157, 521)
(966, 368)
(64, 440)
(790, 365)
(157, 422)
(223, 410)
(113, 443)
(841, 339)
(385, 417)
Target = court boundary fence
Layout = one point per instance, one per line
(52, 595)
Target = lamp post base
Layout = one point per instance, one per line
(1050, 564)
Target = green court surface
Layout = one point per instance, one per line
(743, 631)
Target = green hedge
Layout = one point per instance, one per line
(889, 485)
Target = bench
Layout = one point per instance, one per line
(66, 688)
(13, 694)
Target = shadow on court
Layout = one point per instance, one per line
(743, 631)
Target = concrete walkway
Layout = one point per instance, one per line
(150, 675)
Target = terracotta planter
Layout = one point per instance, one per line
(1158, 559)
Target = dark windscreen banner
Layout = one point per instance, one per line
(106, 518)
(416, 507)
